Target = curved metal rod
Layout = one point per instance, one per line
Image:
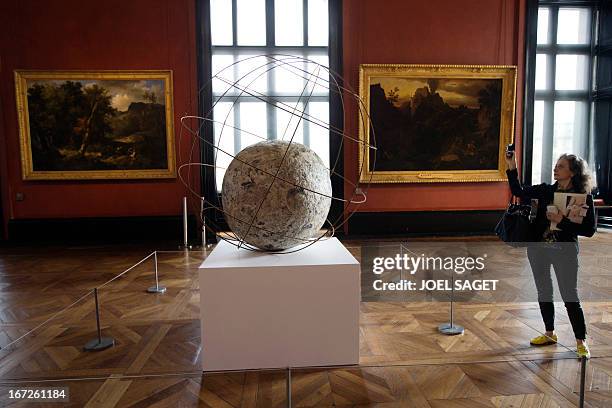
(285, 60)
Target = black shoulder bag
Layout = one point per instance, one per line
(515, 226)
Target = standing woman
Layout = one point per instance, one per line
(572, 176)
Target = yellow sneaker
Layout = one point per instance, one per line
(583, 351)
(543, 340)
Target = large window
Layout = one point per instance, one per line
(271, 106)
(563, 86)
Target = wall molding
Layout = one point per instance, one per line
(101, 229)
(425, 223)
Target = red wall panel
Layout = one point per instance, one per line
(160, 34)
(431, 32)
(87, 35)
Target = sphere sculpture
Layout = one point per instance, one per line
(276, 195)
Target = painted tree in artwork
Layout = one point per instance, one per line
(96, 122)
(71, 105)
(42, 119)
(150, 96)
(489, 99)
(393, 95)
(75, 125)
(54, 110)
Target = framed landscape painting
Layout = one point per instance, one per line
(95, 124)
(436, 123)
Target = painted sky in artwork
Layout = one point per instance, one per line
(454, 91)
(124, 92)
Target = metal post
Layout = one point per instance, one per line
(100, 343)
(205, 244)
(288, 387)
(583, 363)
(450, 328)
(98, 315)
(452, 309)
(185, 245)
(156, 288)
(203, 223)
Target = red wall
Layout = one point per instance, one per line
(431, 32)
(160, 34)
(94, 35)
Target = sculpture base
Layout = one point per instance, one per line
(274, 310)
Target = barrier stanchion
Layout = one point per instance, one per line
(156, 288)
(451, 329)
(185, 244)
(583, 363)
(205, 244)
(101, 343)
(288, 387)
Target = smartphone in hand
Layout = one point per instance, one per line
(510, 150)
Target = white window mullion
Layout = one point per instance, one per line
(260, 116)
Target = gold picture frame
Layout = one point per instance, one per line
(82, 125)
(436, 123)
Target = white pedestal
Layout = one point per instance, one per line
(266, 310)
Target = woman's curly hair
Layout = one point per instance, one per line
(581, 180)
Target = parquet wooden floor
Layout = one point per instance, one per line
(404, 361)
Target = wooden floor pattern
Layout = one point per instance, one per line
(404, 361)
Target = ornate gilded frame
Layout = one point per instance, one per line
(506, 73)
(28, 172)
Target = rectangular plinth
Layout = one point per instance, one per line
(266, 310)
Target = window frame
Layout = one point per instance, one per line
(205, 50)
(552, 95)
